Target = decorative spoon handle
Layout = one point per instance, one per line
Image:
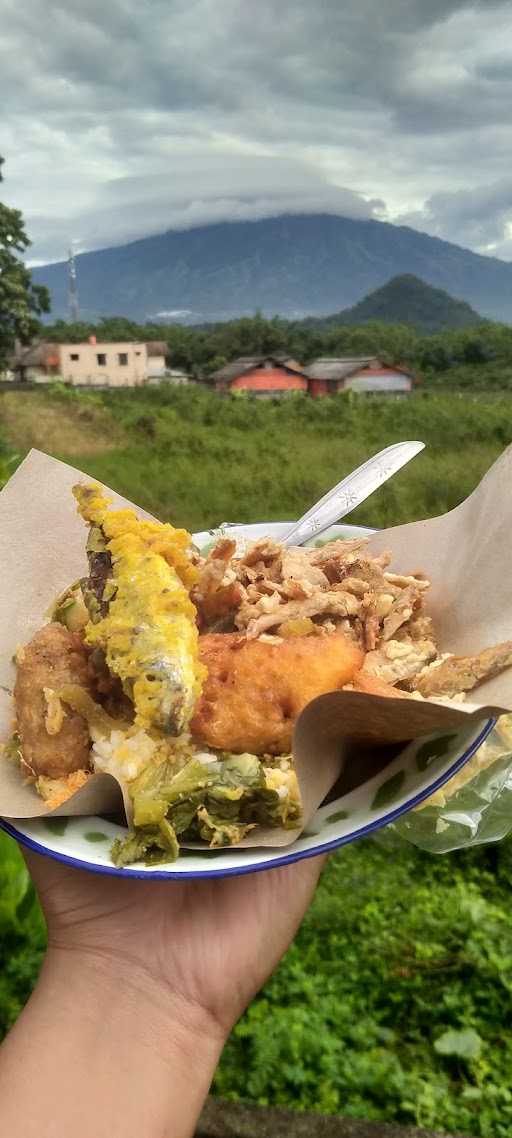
(351, 491)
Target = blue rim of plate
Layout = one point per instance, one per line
(275, 863)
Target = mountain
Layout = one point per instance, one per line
(408, 300)
(300, 265)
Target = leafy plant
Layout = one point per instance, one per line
(21, 301)
(393, 1000)
(466, 1044)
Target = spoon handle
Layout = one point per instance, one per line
(351, 491)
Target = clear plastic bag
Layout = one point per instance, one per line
(472, 808)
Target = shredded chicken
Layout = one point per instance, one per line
(256, 619)
(398, 660)
(261, 552)
(401, 611)
(336, 550)
(339, 587)
(296, 564)
(272, 591)
(217, 590)
(420, 627)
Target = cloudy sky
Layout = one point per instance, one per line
(122, 118)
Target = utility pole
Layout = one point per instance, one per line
(74, 311)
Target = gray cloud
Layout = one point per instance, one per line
(138, 115)
(206, 188)
(479, 218)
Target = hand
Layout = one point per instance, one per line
(141, 984)
(208, 944)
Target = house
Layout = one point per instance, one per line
(36, 363)
(330, 375)
(92, 363)
(264, 376)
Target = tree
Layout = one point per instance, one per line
(21, 302)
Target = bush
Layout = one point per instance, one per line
(393, 1002)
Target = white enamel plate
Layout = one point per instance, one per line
(415, 773)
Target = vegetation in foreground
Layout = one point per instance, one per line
(199, 459)
(393, 1003)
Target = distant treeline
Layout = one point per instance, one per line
(480, 356)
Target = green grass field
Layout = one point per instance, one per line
(197, 459)
(395, 999)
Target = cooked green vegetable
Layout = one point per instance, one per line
(70, 609)
(217, 832)
(12, 749)
(217, 801)
(148, 844)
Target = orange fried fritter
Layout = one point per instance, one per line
(255, 689)
(372, 685)
(54, 739)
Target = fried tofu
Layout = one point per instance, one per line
(54, 739)
(256, 689)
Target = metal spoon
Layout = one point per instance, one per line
(351, 491)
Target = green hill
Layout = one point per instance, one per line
(406, 299)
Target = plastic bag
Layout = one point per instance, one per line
(472, 808)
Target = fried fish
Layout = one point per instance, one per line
(142, 618)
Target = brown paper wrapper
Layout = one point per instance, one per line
(466, 553)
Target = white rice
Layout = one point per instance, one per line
(123, 756)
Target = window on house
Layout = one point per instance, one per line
(101, 359)
(123, 359)
(137, 353)
(74, 356)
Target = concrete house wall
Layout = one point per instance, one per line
(115, 364)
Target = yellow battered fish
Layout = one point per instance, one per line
(142, 617)
(255, 690)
